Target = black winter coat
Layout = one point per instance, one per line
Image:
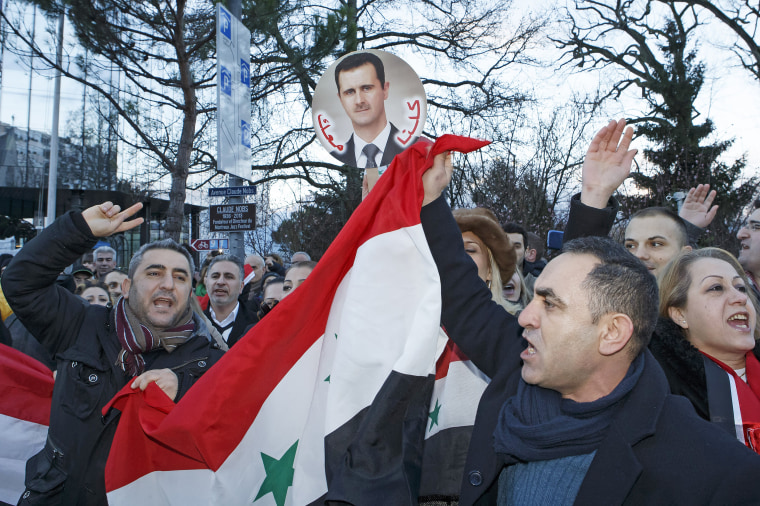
(657, 450)
(693, 375)
(70, 469)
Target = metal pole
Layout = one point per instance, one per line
(53, 174)
(237, 239)
(29, 100)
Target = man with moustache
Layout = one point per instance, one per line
(224, 282)
(151, 335)
(363, 90)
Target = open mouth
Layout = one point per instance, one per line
(163, 302)
(739, 321)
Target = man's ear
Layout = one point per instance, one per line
(676, 314)
(386, 88)
(616, 331)
(687, 248)
(125, 287)
(530, 254)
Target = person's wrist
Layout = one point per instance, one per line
(595, 197)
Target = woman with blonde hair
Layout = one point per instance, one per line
(706, 340)
(489, 247)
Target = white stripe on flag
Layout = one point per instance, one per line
(26, 439)
(385, 316)
(458, 395)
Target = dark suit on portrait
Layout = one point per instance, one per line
(391, 149)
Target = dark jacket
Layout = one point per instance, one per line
(391, 149)
(657, 450)
(70, 469)
(245, 319)
(693, 375)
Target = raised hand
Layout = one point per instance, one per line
(106, 218)
(607, 163)
(437, 177)
(696, 207)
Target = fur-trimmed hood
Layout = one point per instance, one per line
(483, 223)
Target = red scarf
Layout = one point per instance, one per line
(748, 398)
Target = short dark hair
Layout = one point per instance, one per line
(620, 283)
(514, 228)
(227, 258)
(652, 212)
(535, 242)
(169, 244)
(356, 60)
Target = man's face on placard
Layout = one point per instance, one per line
(363, 96)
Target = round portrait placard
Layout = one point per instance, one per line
(368, 107)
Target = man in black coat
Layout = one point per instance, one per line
(363, 90)
(151, 335)
(224, 282)
(583, 413)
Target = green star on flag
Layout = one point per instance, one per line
(279, 475)
(434, 415)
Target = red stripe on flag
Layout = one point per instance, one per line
(26, 386)
(212, 418)
(451, 353)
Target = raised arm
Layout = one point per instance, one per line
(487, 334)
(51, 313)
(607, 163)
(697, 208)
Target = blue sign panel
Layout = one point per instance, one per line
(226, 81)
(225, 24)
(232, 191)
(245, 73)
(245, 133)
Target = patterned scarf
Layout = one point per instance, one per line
(538, 424)
(137, 338)
(747, 397)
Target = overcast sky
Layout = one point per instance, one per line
(730, 96)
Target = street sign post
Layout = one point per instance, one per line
(232, 217)
(200, 245)
(233, 56)
(232, 191)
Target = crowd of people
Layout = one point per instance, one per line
(616, 373)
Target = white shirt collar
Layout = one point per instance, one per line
(230, 318)
(380, 141)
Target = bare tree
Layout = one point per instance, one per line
(462, 50)
(161, 48)
(653, 45)
(743, 18)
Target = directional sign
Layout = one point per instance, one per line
(233, 97)
(232, 191)
(232, 217)
(210, 244)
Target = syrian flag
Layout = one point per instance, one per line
(459, 385)
(327, 397)
(27, 391)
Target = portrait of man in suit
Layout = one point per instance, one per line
(362, 91)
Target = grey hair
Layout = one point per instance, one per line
(227, 258)
(169, 244)
(104, 249)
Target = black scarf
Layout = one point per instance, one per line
(538, 424)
